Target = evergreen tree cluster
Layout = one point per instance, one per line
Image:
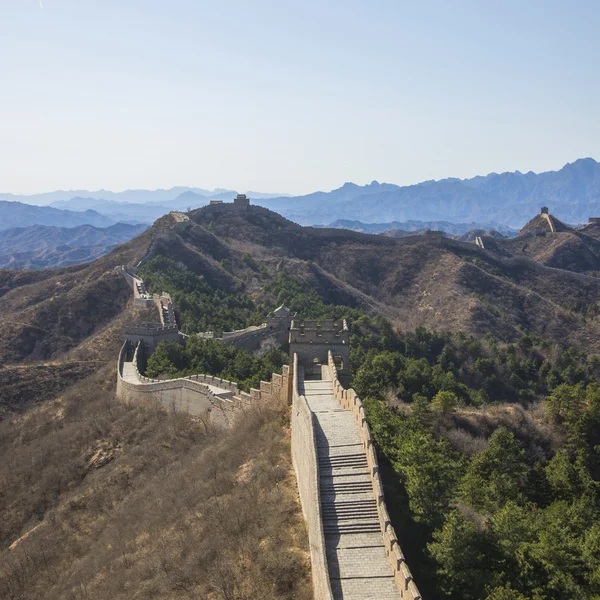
(213, 357)
(496, 524)
(474, 371)
(201, 307)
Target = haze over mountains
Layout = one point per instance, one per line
(129, 196)
(494, 200)
(17, 214)
(497, 202)
(573, 193)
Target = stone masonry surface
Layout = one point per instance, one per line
(356, 555)
(306, 466)
(351, 403)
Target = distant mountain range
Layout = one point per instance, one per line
(131, 196)
(147, 212)
(499, 201)
(418, 226)
(43, 247)
(572, 193)
(17, 214)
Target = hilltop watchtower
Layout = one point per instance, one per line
(240, 201)
(544, 210)
(312, 342)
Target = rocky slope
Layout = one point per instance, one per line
(418, 280)
(561, 247)
(99, 498)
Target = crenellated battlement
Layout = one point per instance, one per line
(328, 331)
(149, 328)
(312, 341)
(151, 334)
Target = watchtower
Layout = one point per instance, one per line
(241, 201)
(312, 342)
(544, 210)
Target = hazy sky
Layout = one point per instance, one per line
(292, 96)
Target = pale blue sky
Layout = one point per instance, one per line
(292, 96)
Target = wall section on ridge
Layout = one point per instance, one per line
(187, 394)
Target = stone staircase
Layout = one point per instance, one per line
(356, 557)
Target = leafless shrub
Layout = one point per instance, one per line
(168, 516)
(464, 441)
(468, 429)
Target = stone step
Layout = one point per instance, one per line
(360, 511)
(343, 510)
(370, 517)
(341, 528)
(343, 460)
(351, 476)
(345, 488)
(342, 504)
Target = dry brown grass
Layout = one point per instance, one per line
(136, 502)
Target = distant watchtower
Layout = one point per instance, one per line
(241, 201)
(312, 342)
(544, 210)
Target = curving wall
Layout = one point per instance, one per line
(197, 394)
(306, 466)
(189, 394)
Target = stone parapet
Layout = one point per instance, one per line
(349, 400)
(306, 466)
(150, 329)
(152, 334)
(195, 394)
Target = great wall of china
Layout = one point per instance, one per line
(354, 551)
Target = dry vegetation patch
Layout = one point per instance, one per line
(469, 429)
(138, 502)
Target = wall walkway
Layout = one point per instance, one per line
(364, 559)
(306, 466)
(550, 223)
